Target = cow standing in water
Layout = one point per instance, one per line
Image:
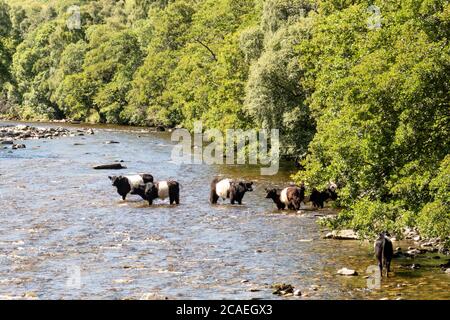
(227, 188)
(384, 252)
(128, 184)
(160, 190)
(290, 197)
(319, 198)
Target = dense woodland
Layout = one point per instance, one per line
(365, 107)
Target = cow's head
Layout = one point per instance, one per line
(271, 193)
(116, 180)
(332, 186)
(151, 191)
(248, 186)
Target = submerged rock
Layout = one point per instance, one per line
(347, 272)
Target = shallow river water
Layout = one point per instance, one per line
(66, 234)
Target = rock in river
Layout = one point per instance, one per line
(342, 235)
(18, 146)
(113, 166)
(413, 252)
(347, 272)
(282, 289)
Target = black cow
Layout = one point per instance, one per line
(129, 184)
(318, 198)
(384, 252)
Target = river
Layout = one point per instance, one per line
(66, 234)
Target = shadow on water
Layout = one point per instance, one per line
(61, 219)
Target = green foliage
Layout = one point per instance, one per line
(381, 105)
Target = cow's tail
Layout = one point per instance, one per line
(383, 245)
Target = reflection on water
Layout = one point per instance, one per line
(57, 215)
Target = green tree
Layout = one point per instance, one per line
(381, 107)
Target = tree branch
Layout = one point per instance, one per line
(207, 48)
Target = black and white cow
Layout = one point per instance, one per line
(161, 190)
(384, 252)
(228, 188)
(318, 198)
(128, 184)
(290, 197)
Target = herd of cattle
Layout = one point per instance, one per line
(289, 198)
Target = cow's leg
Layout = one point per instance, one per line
(213, 196)
(380, 265)
(232, 197)
(386, 266)
(150, 202)
(177, 197)
(174, 196)
(171, 196)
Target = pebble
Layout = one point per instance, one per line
(30, 295)
(297, 293)
(413, 252)
(153, 296)
(120, 281)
